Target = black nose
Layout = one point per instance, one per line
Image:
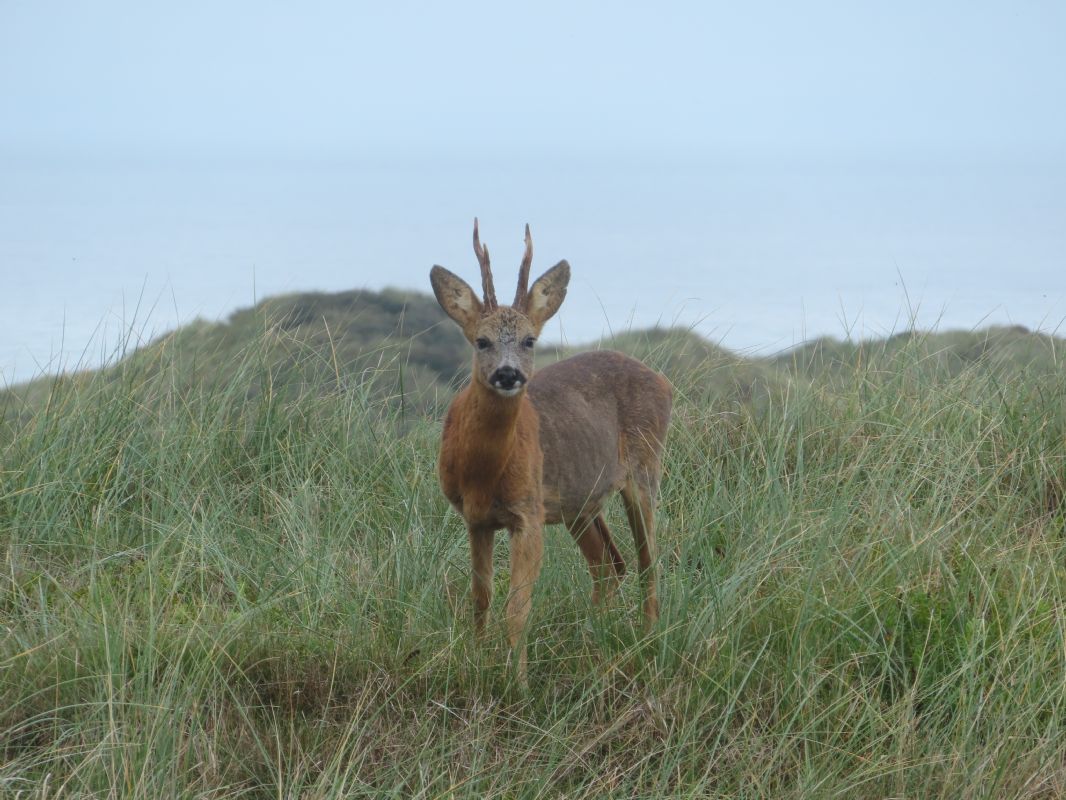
(507, 378)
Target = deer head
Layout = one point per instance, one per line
(503, 336)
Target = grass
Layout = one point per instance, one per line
(215, 592)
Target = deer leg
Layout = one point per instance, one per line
(527, 547)
(481, 544)
(605, 562)
(640, 509)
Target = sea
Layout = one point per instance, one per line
(101, 253)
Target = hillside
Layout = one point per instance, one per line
(396, 344)
(1006, 351)
(319, 338)
(399, 346)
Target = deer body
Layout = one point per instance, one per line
(603, 419)
(519, 451)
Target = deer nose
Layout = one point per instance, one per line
(507, 378)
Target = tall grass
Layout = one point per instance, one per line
(237, 593)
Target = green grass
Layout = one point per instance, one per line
(210, 591)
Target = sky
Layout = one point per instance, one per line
(762, 172)
(554, 78)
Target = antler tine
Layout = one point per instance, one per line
(523, 273)
(482, 254)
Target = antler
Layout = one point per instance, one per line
(482, 254)
(523, 273)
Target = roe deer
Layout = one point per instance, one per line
(519, 451)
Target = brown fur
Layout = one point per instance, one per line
(490, 457)
(603, 422)
(571, 436)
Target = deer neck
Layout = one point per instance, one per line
(492, 424)
(495, 414)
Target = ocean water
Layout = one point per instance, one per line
(100, 253)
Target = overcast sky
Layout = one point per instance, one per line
(764, 172)
(485, 79)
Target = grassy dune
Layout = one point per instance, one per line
(252, 587)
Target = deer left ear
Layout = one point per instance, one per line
(547, 294)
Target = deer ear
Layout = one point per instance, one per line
(457, 299)
(547, 293)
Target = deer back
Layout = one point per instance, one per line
(602, 417)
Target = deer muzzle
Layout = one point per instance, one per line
(507, 381)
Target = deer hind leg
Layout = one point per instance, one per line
(605, 562)
(481, 545)
(639, 498)
(527, 548)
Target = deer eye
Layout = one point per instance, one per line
(528, 341)
(482, 343)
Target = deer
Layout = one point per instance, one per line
(520, 450)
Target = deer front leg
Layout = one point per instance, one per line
(527, 547)
(481, 544)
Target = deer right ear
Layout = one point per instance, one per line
(546, 294)
(457, 299)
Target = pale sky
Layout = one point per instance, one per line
(503, 79)
(763, 172)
